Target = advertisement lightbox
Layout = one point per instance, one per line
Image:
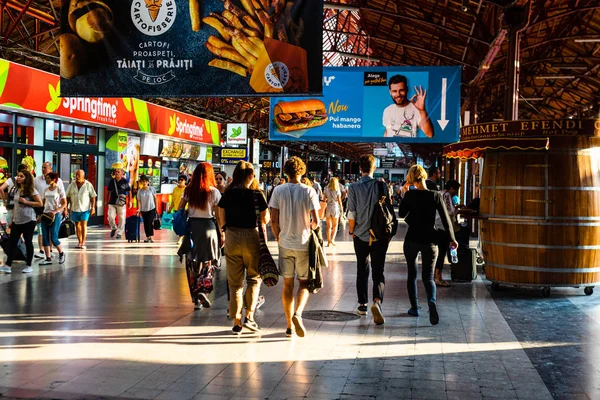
(374, 104)
(188, 48)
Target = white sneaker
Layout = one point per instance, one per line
(5, 269)
(27, 270)
(40, 255)
(61, 258)
(47, 261)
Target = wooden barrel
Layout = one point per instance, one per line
(542, 211)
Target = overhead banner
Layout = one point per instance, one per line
(30, 89)
(383, 104)
(187, 48)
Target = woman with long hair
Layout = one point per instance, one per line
(419, 207)
(333, 197)
(202, 245)
(242, 206)
(23, 219)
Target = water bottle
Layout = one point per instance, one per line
(453, 255)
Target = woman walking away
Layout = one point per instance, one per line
(23, 219)
(55, 202)
(333, 197)
(202, 245)
(146, 202)
(419, 207)
(241, 206)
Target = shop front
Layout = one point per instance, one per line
(93, 134)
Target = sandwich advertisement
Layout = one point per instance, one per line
(188, 48)
(383, 104)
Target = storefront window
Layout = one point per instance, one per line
(25, 130)
(92, 136)
(66, 133)
(6, 127)
(79, 134)
(22, 153)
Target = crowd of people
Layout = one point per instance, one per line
(227, 216)
(40, 205)
(232, 215)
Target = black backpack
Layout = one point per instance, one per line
(384, 223)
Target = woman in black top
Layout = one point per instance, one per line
(239, 206)
(419, 207)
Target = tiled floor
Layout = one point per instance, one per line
(116, 321)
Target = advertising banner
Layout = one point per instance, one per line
(27, 88)
(383, 104)
(186, 48)
(237, 134)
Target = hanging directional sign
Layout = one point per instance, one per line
(384, 104)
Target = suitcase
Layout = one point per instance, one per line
(132, 228)
(21, 250)
(465, 270)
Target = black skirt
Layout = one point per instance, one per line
(204, 240)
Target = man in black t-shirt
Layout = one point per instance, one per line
(118, 186)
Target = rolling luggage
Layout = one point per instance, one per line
(465, 270)
(132, 228)
(21, 250)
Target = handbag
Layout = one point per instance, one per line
(67, 228)
(10, 201)
(48, 218)
(156, 223)
(121, 198)
(180, 223)
(267, 269)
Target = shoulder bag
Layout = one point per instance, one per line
(267, 269)
(48, 218)
(121, 198)
(180, 223)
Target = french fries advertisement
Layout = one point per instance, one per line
(189, 48)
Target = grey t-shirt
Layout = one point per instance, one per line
(22, 213)
(145, 198)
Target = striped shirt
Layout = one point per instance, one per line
(361, 203)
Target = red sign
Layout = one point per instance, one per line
(30, 89)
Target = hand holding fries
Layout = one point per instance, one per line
(243, 25)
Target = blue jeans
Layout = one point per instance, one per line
(50, 232)
(429, 253)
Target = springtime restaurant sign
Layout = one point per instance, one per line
(30, 89)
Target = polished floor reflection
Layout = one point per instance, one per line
(117, 321)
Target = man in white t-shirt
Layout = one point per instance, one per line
(294, 209)
(405, 116)
(40, 184)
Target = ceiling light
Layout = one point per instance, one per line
(587, 40)
(555, 77)
(465, 6)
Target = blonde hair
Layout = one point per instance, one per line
(334, 184)
(416, 173)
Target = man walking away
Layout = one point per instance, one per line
(294, 209)
(81, 201)
(118, 188)
(362, 197)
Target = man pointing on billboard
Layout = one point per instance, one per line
(405, 116)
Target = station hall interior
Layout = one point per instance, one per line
(472, 125)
